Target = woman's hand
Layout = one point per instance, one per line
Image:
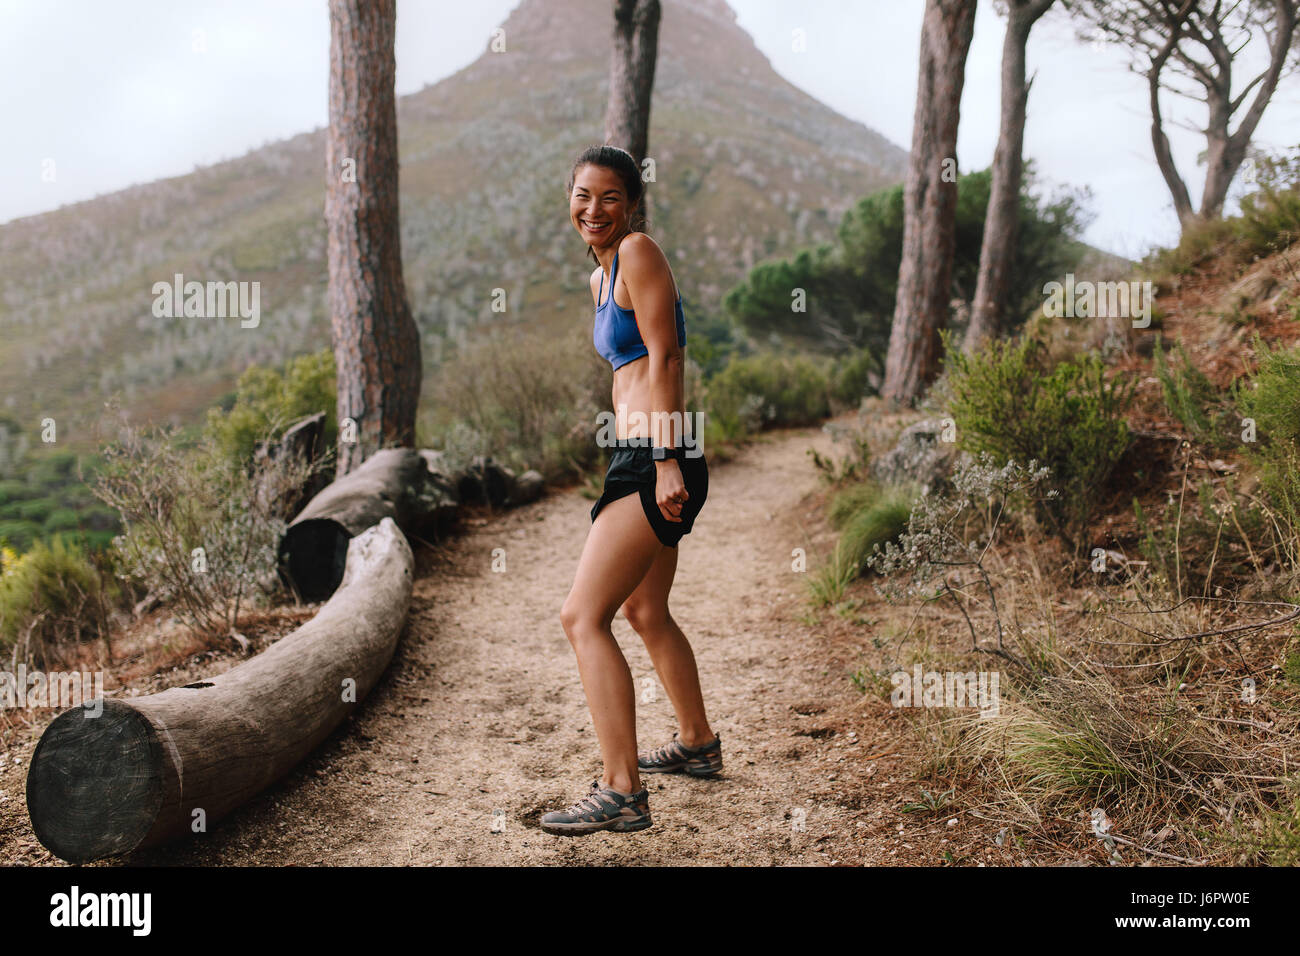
(670, 489)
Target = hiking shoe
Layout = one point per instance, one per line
(676, 757)
(601, 809)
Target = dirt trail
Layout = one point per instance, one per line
(481, 724)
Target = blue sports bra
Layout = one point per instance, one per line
(615, 333)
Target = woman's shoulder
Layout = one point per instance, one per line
(642, 254)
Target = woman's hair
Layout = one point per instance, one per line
(622, 163)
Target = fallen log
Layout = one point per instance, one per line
(395, 483)
(150, 768)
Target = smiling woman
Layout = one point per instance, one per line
(655, 486)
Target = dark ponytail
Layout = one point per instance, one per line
(622, 163)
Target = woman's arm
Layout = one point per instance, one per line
(650, 283)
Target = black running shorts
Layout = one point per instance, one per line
(632, 470)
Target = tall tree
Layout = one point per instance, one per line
(929, 202)
(376, 342)
(1188, 48)
(998, 253)
(632, 78)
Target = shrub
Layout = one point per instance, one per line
(767, 390)
(267, 401)
(850, 285)
(530, 402)
(200, 530)
(852, 378)
(51, 596)
(1204, 410)
(878, 519)
(1269, 220)
(1068, 418)
(1272, 400)
(19, 534)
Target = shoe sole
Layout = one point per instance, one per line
(583, 828)
(682, 768)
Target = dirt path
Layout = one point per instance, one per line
(481, 725)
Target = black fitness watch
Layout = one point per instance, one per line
(660, 453)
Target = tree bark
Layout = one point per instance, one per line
(139, 773)
(395, 483)
(631, 82)
(929, 202)
(376, 342)
(1001, 223)
(1226, 151)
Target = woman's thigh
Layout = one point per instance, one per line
(621, 547)
(649, 601)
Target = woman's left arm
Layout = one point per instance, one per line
(650, 283)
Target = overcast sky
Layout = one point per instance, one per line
(123, 92)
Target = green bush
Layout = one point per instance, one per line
(876, 517)
(13, 490)
(849, 286)
(1067, 418)
(62, 519)
(1206, 411)
(854, 377)
(53, 594)
(1269, 220)
(767, 390)
(266, 401)
(530, 402)
(19, 534)
(1272, 400)
(36, 510)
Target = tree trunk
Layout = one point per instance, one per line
(141, 772)
(989, 313)
(929, 202)
(395, 483)
(1226, 151)
(376, 342)
(631, 82)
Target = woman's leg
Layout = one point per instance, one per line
(620, 548)
(646, 609)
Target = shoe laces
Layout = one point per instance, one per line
(590, 802)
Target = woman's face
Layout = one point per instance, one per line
(598, 206)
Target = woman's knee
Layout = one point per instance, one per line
(647, 618)
(578, 620)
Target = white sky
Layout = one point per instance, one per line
(117, 93)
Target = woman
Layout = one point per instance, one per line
(655, 486)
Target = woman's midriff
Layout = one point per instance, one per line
(632, 394)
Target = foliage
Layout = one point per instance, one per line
(1068, 418)
(531, 401)
(879, 519)
(200, 530)
(267, 401)
(850, 285)
(50, 596)
(767, 390)
(1205, 411)
(1269, 220)
(948, 536)
(1272, 400)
